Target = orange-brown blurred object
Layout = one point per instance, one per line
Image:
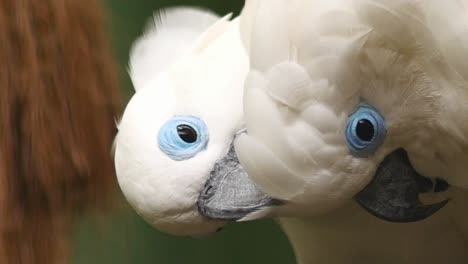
(58, 104)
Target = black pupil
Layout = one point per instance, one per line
(365, 130)
(187, 133)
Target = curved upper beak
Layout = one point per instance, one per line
(393, 194)
(229, 194)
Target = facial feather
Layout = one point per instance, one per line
(198, 82)
(328, 57)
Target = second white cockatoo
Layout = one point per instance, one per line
(357, 127)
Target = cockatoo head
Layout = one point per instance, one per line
(175, 138)
(362, 100)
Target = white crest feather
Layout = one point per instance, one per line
(423, 27)
(169, 35)
(247, 19)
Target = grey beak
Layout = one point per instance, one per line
(393, 194)
(229, 194)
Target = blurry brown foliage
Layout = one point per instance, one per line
(58, 103)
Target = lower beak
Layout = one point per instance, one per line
(393, 194)
(229, 194)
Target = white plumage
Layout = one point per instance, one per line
(312, 63)
(189, 65)
(168, 36)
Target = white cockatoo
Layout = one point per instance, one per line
(176, 136)
(356, 118)
(351, 107)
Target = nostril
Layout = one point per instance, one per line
(208, 192)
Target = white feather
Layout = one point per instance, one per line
(193, 64)
(312, 61)
(170, 34)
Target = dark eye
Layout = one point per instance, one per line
(365, 131)
(183, 137)
(187, 133)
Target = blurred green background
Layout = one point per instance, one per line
(124, 238)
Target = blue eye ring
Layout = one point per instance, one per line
(174, 145)
(365, 131)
